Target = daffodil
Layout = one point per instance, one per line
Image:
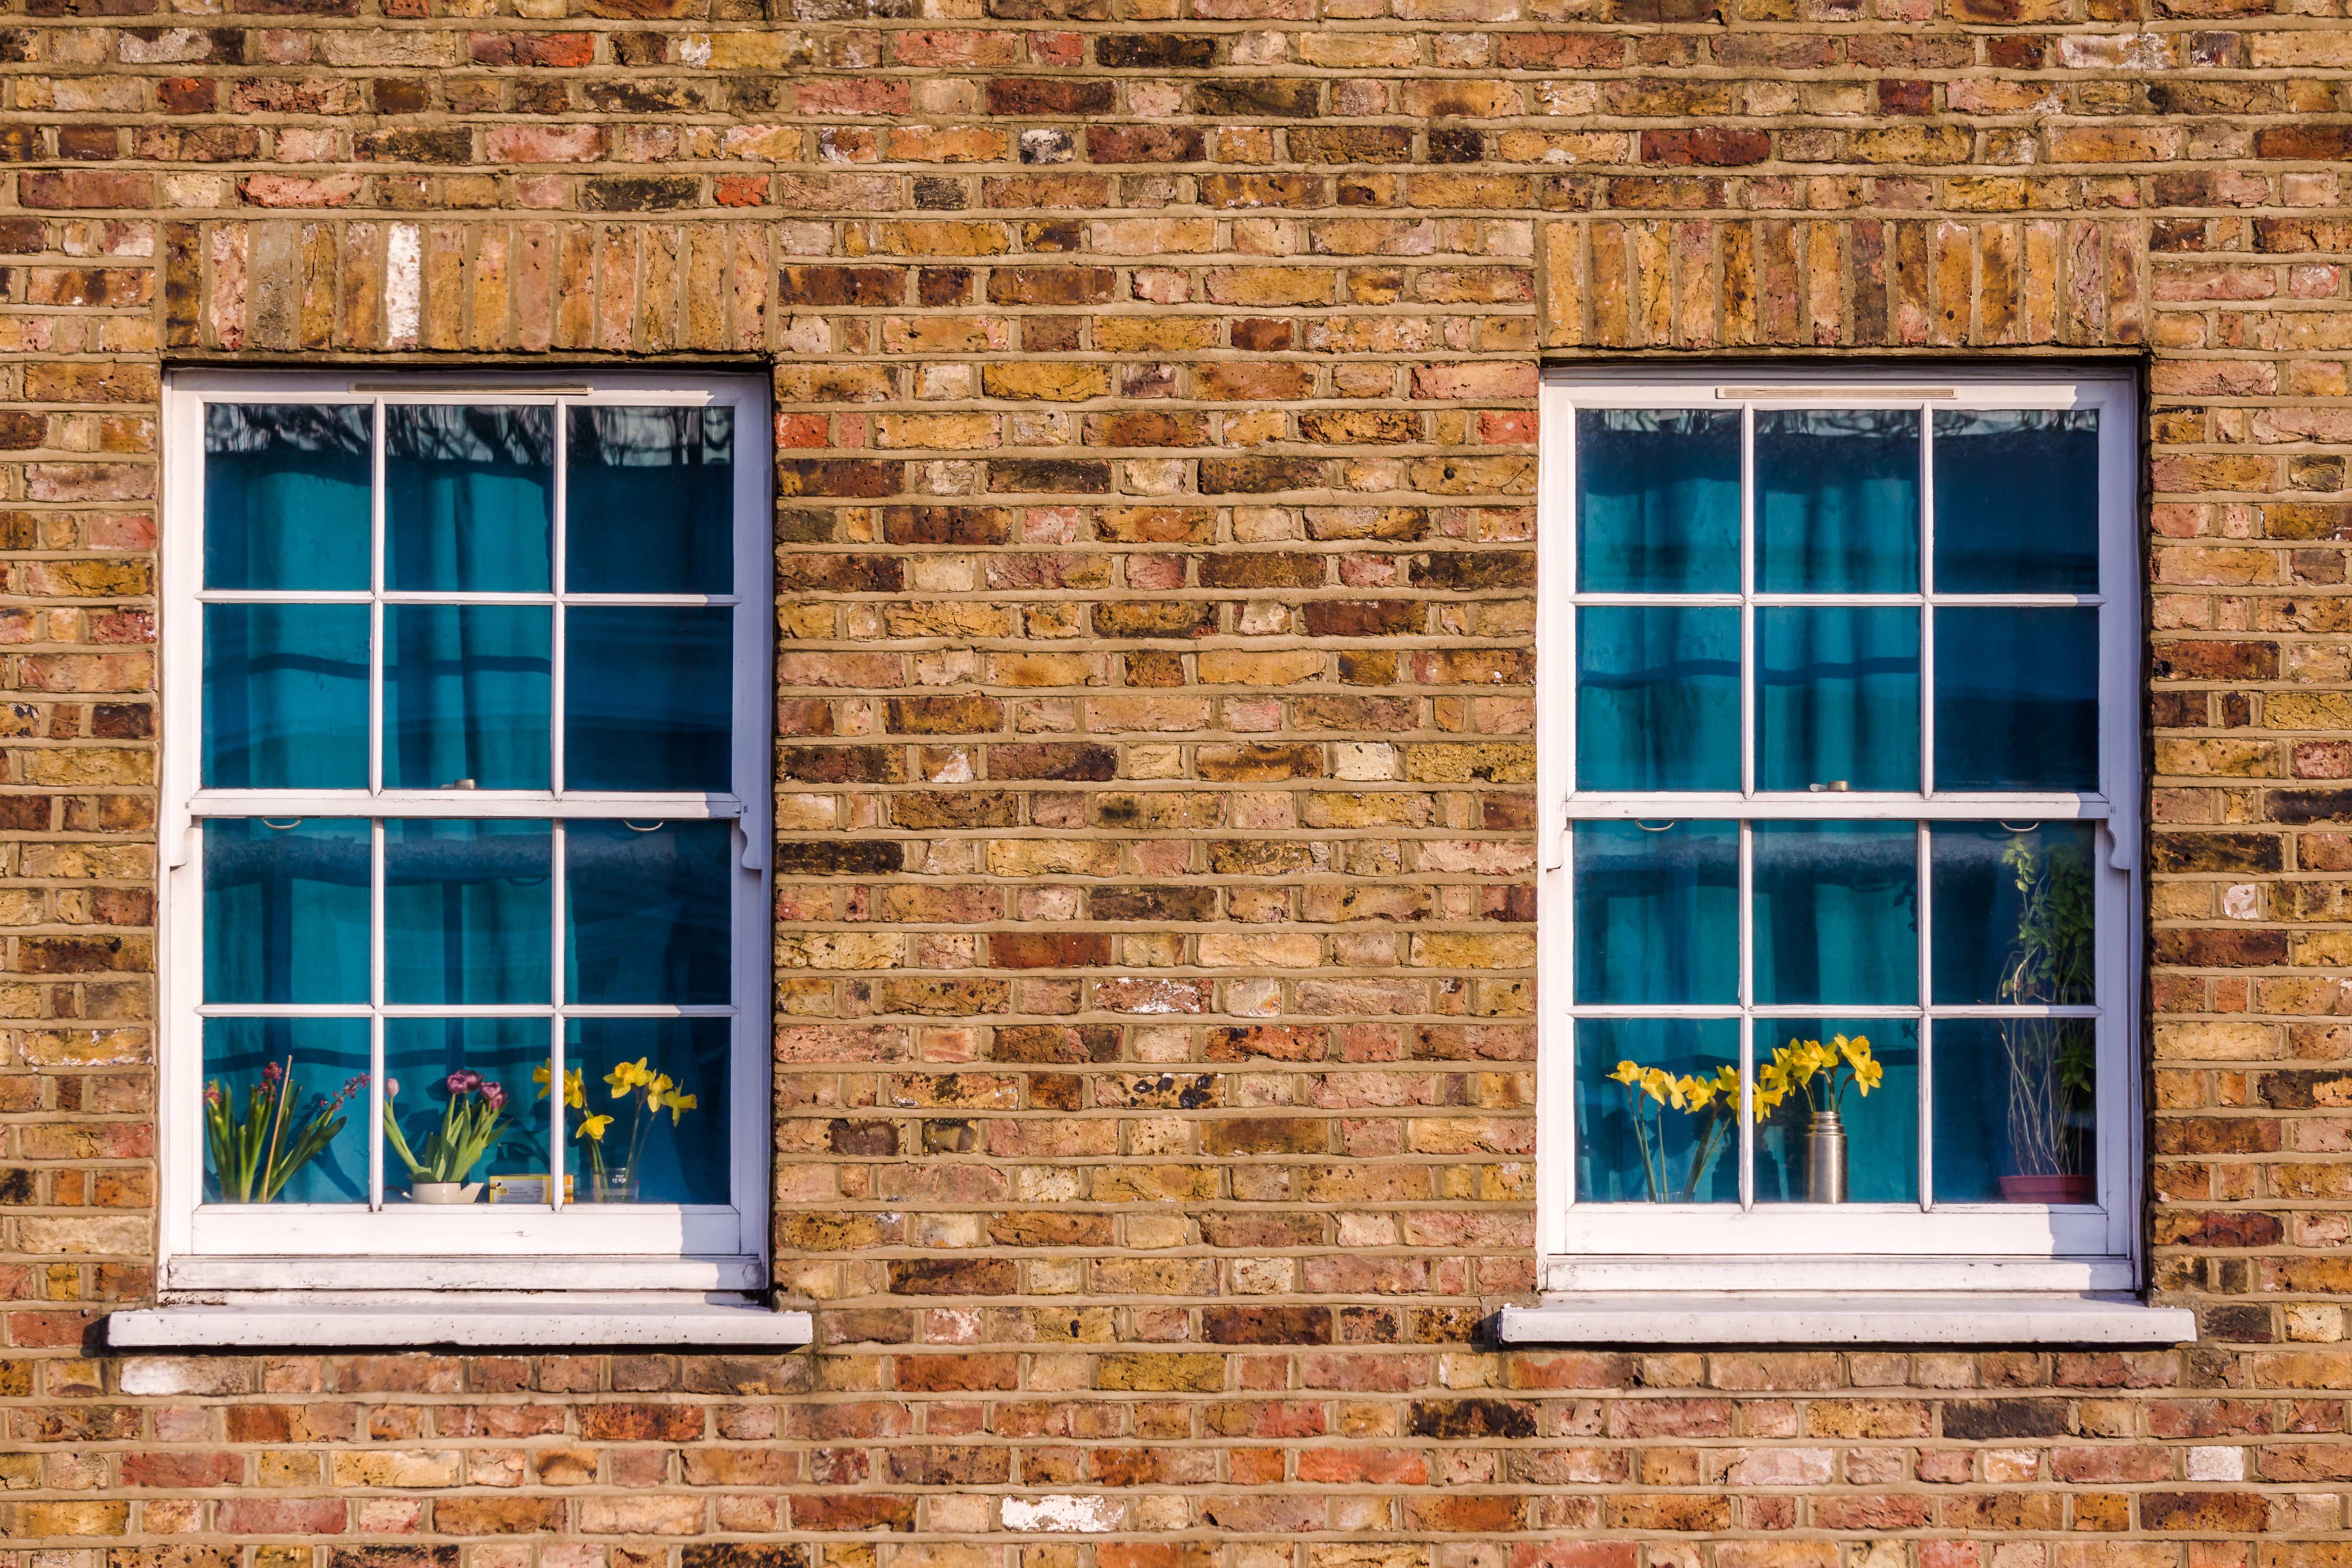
(678, 1104)
(1628, 1073)
(592, 1127)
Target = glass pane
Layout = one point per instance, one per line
(285, 696)
(650, 1124)
(649, 499)
(466, 910)
(470, 498)
(2017, 703)
(286, 910)
(1657, 500)
(1657, 913)
(2017, 501)
(646, 910)
(2014, 913)
(1657, 697)
(2015, 1111)
(286, 1110)
(1837, 501)
(1837, 698)
(466, 694)
(286, 495)
(1824, 1108)
(462, 1106)
(647, 699)
(1672, 1138)
(1837, 913)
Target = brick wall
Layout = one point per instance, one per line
(1152, 1061)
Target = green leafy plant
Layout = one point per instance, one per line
(470, 1123)
(2052, 1061)
(257, 1149)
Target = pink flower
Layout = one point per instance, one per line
(496, 1094)
(271, 1072)
(465, 1080)
(213, 1095)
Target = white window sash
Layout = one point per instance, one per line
(486, 1246)
(1598, 1245)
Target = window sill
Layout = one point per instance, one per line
(508, 1322)
(1956, 1318)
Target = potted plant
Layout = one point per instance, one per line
(1841, 1064)
(2051, 1061)
(1649, 1092)
(470, 1123)
(650, 1091)
(256, 1151)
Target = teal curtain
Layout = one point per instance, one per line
(286, 910)
(2016, 699)
(648, 698)
(285, 696)
(419, 1055)
(649, 914)
(649, 500)
(466, 911)
(465, 696)
(1657, 697)
(681, 1154)
(2017, 501)
(1657, 912)
(1837, 698)
(320, 1058)
(470, 498)
(1836, 921)
(1837, 501)
(1657, 500)
(286, 495)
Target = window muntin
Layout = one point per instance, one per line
(477, 786)
(1818, 647)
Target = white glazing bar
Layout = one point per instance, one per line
(557, 565)
(1924, 902)
(376, 1021)
(1747, 643)
(555, 1118)
(377, 460)
(1745, 1052)
(1927, 618)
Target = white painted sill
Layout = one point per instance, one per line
(423, 1318)
(1927, 1318)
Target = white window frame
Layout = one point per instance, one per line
(504, 1246)
(1604, 1246)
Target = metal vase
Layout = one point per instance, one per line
(1825, 1159)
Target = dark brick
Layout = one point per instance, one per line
(952, 1277)
(838, 856)
(842, 285)
(1454, 1418)
(1266, 1325)
(1980, 1420)
(1049, 95)
(629, 194)
(1155, 50)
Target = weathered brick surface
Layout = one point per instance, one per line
(1155, 410)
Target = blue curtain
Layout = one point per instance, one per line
(324, 1054)
(419, 1055)
(1837, 503)
(648, 698)
(1882, 1128)
(683, 1154)
(1657, 500)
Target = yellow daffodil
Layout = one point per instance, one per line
(592, 1127)
(1628, 1073)
(678, 1104)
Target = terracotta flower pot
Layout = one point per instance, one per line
(2050, 1189)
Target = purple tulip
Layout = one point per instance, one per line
(465, 1080)
(496, 1094)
